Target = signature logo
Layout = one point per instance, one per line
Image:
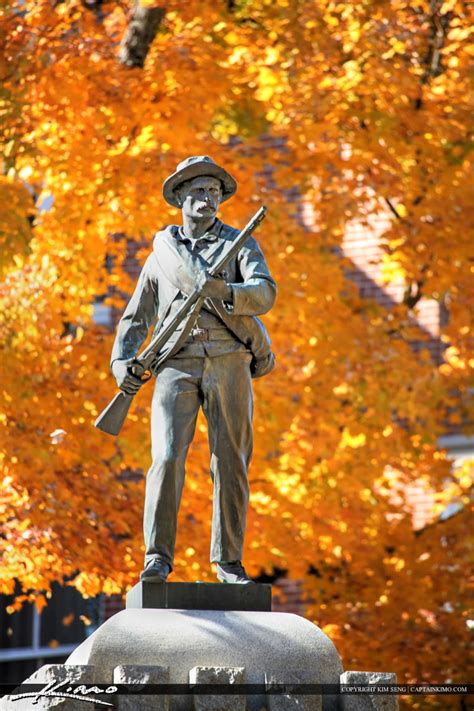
(80, 693)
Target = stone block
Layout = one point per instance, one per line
(368, 701)
(135, 674)
(48, 675)
(292, 700)
(200, 596)
(218, 675)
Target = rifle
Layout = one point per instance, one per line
(113, 416)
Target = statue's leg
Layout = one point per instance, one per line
(228, 406)
(175, 405)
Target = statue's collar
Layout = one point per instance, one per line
(212, 235)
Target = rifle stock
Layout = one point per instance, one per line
(113, 416)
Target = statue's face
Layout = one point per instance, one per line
(200, 197)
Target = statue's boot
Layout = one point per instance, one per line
(233, 572)
(156, 571)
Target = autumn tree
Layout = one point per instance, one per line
(340, 111)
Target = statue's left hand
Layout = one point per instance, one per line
(213, 287)
(127, 382)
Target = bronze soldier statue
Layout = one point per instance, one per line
(208, 362)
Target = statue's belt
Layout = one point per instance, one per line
(210, 334)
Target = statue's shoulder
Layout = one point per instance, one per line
(228, 232)
(163, 235)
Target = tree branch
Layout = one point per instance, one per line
(413, 293)
(393, 209)
(439, 29)
(141, 32)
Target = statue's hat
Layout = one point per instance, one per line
(194, 167)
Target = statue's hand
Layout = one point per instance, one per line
(214, 287)
(127, 382)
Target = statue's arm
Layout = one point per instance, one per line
(138, 316)
(257, 292)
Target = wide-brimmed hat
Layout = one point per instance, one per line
(194, 167)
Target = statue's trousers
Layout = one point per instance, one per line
(222, 386)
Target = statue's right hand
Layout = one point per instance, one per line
(126, 381)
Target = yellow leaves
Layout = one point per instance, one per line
(26, 172)
(145, 141)
(272, 55)
(232, 38)
(397, 47)
(454, 492)
(150, 3)
(308, 369)
(324, 542)
(352, 441)
(392, 269)
(459, 33)
(332, 631)
(438, 89)
(291, 485)
(401, 208)
(16, 207)
(120, 147)
(262, 503)
(365, 495)
(128, 559)
(268, 82)
(277, 552)
(450, 6)
(465, 474)
(237, 55)
(353, 74)
(326, 82)
(452, 356)
(329, 19)
(397, 563)
(445, 369)
(341, 389)
(306, 532)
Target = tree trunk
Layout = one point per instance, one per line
(140, 33)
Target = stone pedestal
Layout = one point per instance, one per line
(263, 645)
(219, 649)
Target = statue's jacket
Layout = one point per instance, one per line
(171, 272)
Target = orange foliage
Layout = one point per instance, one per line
(348, 107)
